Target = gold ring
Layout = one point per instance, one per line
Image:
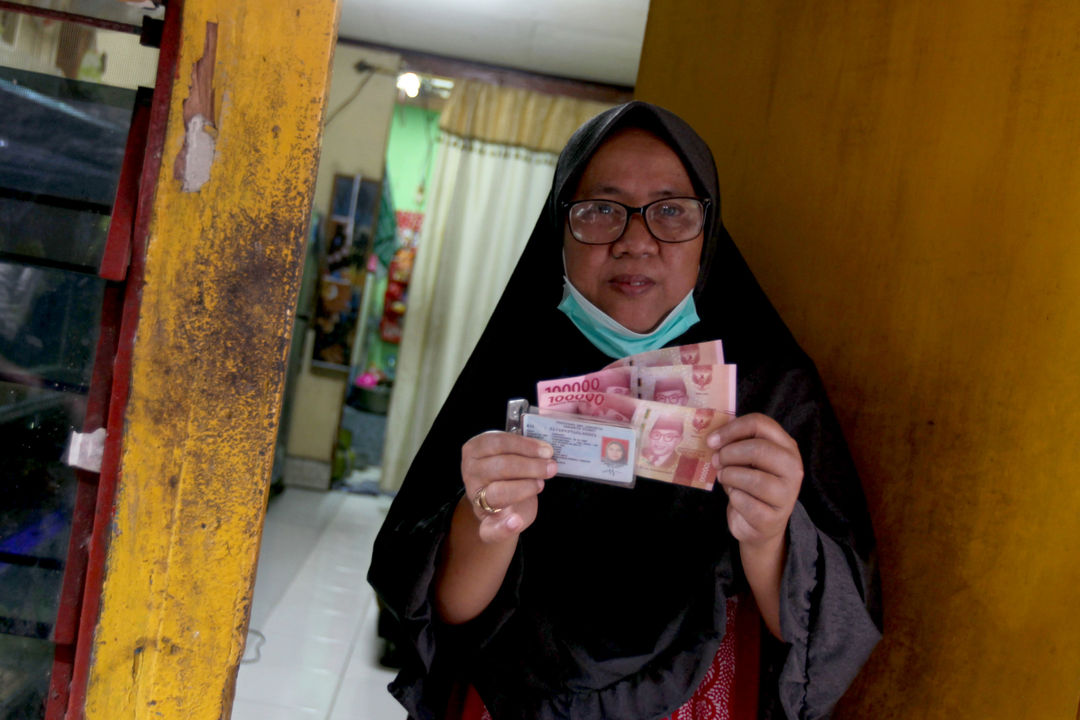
(482, 503)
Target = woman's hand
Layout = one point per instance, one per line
(505, 472)
(759, 466)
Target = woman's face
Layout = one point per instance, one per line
(637, 279)
(614, 452)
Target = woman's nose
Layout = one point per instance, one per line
(636, 239)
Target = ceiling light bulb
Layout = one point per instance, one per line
(409, 83)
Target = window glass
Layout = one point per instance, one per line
(24, 673)
(75, 50)
(61, 148)
(67, 104)
(129, 12)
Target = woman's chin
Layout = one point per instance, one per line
(636, 323)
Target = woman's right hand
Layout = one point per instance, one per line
(510, 470)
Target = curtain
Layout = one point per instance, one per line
(496, 158)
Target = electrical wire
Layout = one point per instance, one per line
(349, 99)
(258, 647)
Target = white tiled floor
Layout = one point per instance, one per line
(317, 612)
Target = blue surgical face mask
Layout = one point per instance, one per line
(614, 340)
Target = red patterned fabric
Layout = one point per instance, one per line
(713, 700)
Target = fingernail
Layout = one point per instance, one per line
(539, 485)
(713, 441)
(513, 522)
(546, 451)
(552, 468)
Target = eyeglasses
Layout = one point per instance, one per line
(669, 220)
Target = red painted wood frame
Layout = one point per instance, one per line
(116, 258)
(122, 266)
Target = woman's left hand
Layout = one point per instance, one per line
(759, 466)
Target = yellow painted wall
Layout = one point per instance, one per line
(904, 179)
(354, 142)
(223, 266)
(317, 403)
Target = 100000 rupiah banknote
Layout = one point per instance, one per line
(697, 386)
(706, 353)
(672, 438)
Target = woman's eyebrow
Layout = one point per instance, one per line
(605, 190)
(617, 190)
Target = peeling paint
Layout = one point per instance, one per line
(192, 167)
(198, 154)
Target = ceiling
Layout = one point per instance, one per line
(595, 40)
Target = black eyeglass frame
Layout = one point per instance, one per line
(631, 211)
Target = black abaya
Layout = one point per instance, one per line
(614, 604)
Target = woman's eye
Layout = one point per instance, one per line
(596, 211)
(669, 210)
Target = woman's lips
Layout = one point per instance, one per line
(632, 284)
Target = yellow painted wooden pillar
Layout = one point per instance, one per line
(903, 178)
(223, 266)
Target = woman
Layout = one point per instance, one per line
(560, 598)
(614, 452)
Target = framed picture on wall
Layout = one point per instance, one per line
(338, 246)
(342, 196)
(367, 203)
(350, 228)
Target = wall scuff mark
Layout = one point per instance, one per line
(196, 156)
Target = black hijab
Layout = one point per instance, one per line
(615, 601)
(541, 261)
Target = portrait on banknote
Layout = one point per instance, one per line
(670, 390)
(662, 440)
